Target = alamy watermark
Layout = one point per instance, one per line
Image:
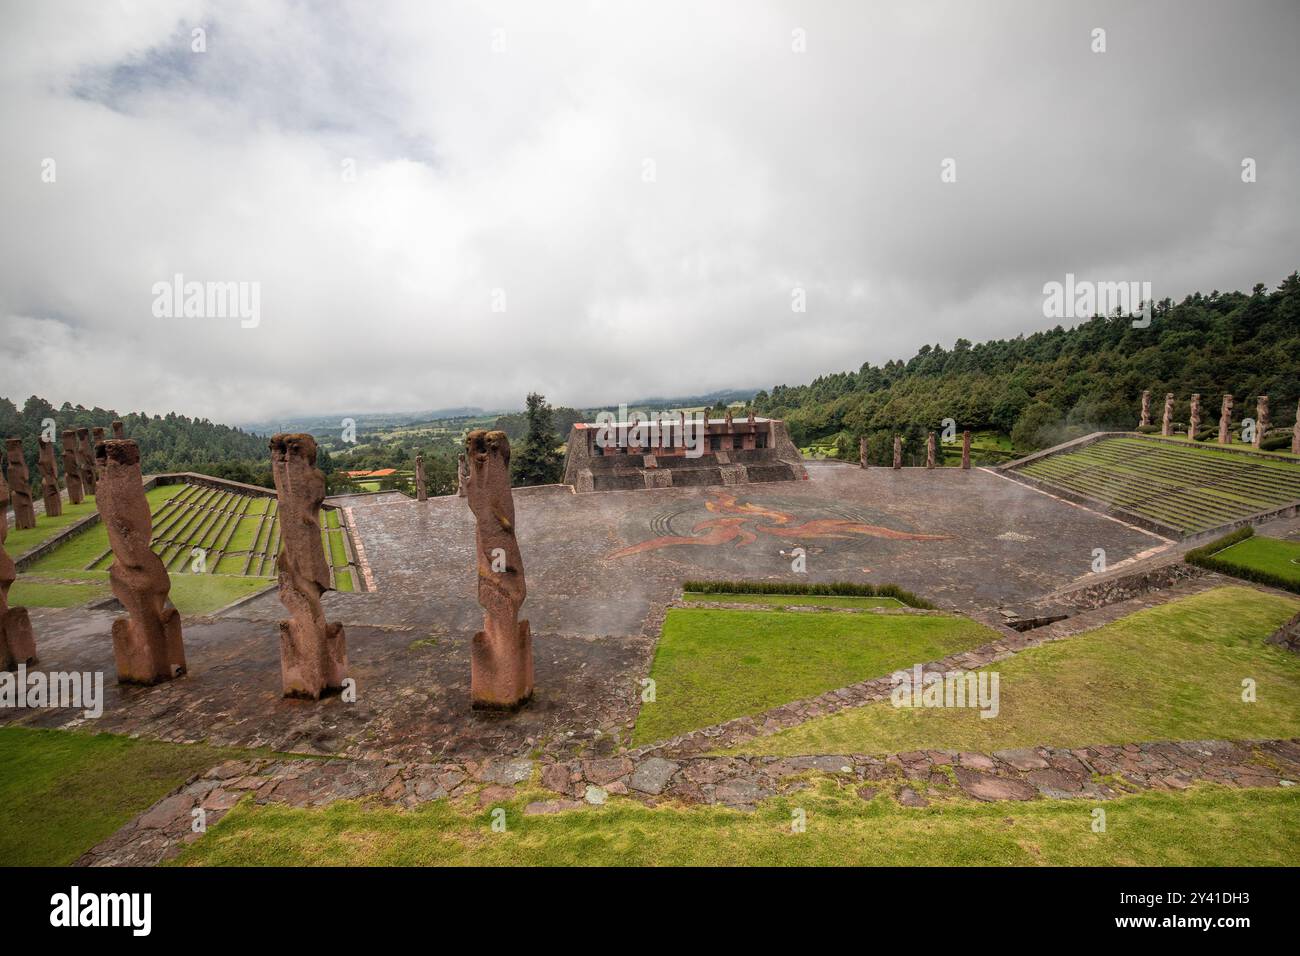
(656, 430)
(179, 299)
(916, 688)
(1082, 299)
(82, 690)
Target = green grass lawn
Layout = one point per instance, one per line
(62, 792)
(191, 593)
(20, 541)
(712, 665)
(795, 600)
(84, 548)
(1205, 826)
(1266, 554)
(33, 591)
(1172, 672)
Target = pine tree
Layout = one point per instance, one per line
(538, 462)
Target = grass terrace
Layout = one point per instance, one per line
(1186, 488)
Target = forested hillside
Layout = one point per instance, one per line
(1054, 385)
(168, 442)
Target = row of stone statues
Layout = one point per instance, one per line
(1262, 423)
(80, 473)
(930, 459)
(148, 645)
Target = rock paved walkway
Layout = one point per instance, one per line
(915, 779)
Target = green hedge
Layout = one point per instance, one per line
(834, 588)
(1205, 557)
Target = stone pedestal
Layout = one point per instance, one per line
(1261, 419)
(1167, 429)
(86, 458)
(72, 468)
(420, 493)
(965, 450)
(313, 652)
(929, 450)
(501, 656)
(1146, 409)
(1225, 421)
(1194, 418)
(17, 643)
(49, 481)
(20, 488)
(898, 452)
(147, 641)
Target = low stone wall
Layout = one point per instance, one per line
(1288, 635)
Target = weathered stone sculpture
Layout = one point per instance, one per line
(72, 468)
(898, 452)
(96, 437)
(1225, 420)
(462, 477)
(49, 480)
(1194, 419)
(119, 431)
(147, 641)
(929, 450)
(726, 416)
(87, 460)
(750, 417)
(965, 450)
(313, 652)
(1295, 435)
(501, 657)
(1261, 419)
(19, 485)
(17, 644)
(1146, 409)
(420, 493)
(1167, 428)
(862, 452)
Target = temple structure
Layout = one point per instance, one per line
(680, 452)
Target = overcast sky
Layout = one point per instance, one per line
(642, 185)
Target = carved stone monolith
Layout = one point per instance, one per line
(96, 437)
(1225, 420)
(462, 476)
(501, 656)
(1194, 418)
(147, 641)
(1295, 435)
(119, 430)
(750, 417)
(86, 458)
(965, 450)
(313, 652)
(1261, 419)
(20, 488)
(1146, 409)
(72, 468)
(862, 452)
(929, 450)
(49, 480)
(420, 493)
(1167, 428)
(17, 644)
(898, 452)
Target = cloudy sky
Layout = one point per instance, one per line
(455, 203)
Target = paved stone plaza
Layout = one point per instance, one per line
(601, 569)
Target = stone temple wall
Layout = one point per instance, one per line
(731, 456)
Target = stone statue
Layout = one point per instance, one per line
(462, 476)
(862, 452)
(1261, 419)
(1194, 424)
(1167, 428)
(119, 431)
(420, 493)
(147, 641)
(1295, 435)
(20, 488)
(72, 468)
(965, 450)
(17, 644)
(87, 460)
(750, 417)
(49, 480)
(501, 657)
(898, 452)
(313, 652)
(1146, 409)
(1225, 420)
(929, 450)
(96, 437)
